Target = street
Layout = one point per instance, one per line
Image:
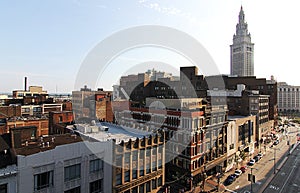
(264, 168)
(288, 178)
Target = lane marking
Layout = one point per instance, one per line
(274, 187)
(296, 160)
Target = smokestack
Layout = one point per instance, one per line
(25, 84)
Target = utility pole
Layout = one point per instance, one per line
(274, 160)
(251, 178)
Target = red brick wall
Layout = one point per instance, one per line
(10, 111)
(42, 125)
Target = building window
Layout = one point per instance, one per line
(96, 186)
(148, 166)
(208, 146)
(134, 173)
(119, 179)
(127, 176)
(142, 170)
(3, 188)
(127, 158)
(148, 186)
(96, 165)
(159, 163)
(141, 188)
(72, 172)
(43, 180)
(74, 190)
(119, 161)
(154, 184)
(134, 190)
(159, 181)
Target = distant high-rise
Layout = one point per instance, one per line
(242, 50)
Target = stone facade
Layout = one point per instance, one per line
(288, 98)
(242, 50)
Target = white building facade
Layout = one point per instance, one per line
(75, 167)
(288, 98)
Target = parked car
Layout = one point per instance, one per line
(238, 173)
(260, 155)
(251, 162)
(243, 169)
(256, 158)
(276, 142)
(233, 176)
(229, 180)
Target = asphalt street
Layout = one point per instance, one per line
(264, 168)
(288, 178)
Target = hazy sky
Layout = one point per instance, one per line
(48, 40)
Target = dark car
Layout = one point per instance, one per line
(234, 176)
(256, 158)
(251, 162)
(276, 142)
(229, 180)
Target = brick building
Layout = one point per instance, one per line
(40, 123)
(10, 111)
(58, 120)
(90, 104)
(196, 139)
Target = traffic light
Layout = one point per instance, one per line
(251, 177)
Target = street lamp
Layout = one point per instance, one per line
(288, 143)
(251, 178)
(275, 159)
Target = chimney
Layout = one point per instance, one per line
(25, 84)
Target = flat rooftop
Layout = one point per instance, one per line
(114, 132)
(46, 143)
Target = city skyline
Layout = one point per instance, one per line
(48, 41)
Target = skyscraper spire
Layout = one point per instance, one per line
(241, 15)
(242, 49)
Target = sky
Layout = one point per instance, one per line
(47, 41)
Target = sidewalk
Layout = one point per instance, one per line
(210, 186)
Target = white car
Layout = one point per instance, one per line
(260, 155)
(238, 172)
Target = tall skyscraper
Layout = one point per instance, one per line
(242, 50)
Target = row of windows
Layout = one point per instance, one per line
(154, 184)
(95, 187)
(45, 180)
(289, 89)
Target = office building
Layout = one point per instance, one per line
(242, 49)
